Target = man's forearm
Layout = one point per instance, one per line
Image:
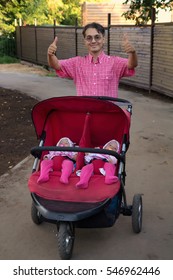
(132, 60)
(53, 62)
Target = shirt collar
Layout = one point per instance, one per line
(99, 59)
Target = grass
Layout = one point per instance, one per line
(51, 74)
(8, 59)
(5, 59)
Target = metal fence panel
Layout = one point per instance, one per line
(140, 38)
(163, 59)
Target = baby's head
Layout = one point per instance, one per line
(65, 142)
(112, 145)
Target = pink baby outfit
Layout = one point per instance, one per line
(103, 162)
(90, 156)
(65, 160)
(68, 154)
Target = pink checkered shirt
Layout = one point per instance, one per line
(100, 78)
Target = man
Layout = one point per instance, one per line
(96, 74)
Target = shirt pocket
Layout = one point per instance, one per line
(106, 77)
(105, 82)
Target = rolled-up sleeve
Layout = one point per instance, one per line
(68, 68)
(123, 69)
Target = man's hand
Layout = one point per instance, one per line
(51, 57)
(53, 47)
(128, 48)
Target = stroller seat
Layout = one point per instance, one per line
(54, 190)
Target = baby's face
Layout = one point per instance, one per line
(112, 146)
(64, 143)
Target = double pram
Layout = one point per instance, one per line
(90, 122)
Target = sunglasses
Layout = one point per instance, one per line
(95, 38)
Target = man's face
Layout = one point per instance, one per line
(94, 41)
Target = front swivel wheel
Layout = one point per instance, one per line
(66, 237)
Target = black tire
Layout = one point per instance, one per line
(66, 236)
(137, 209)
(35, 215)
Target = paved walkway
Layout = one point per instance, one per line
(38, 86)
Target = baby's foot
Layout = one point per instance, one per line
(111, 180)
(64, 180)
(43, 179)
(81, 185)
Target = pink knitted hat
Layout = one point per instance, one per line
(71, 144)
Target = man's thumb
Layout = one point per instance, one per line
(55, 41)
(125, 37)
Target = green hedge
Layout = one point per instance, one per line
(7, 46)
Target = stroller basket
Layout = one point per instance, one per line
(67, 211)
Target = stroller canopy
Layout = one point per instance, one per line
(67, 116)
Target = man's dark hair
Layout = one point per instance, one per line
(97, 26)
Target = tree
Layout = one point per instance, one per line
(18, 9)
(44, 11)
(141, 10)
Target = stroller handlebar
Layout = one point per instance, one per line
(37, 151)
(118, 100)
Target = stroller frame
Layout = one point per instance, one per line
(86, 214)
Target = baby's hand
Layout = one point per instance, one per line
(75, 156)
(110, 160)
(45, 157)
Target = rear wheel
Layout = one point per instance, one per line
(66, 240)
(137, 213)
(35, 215)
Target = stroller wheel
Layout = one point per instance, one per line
(137, 213)
(66, 240)
(35, 215)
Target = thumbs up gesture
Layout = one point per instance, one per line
(53, 47)
(128, 48)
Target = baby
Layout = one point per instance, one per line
(105, 162)
(67, 158)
